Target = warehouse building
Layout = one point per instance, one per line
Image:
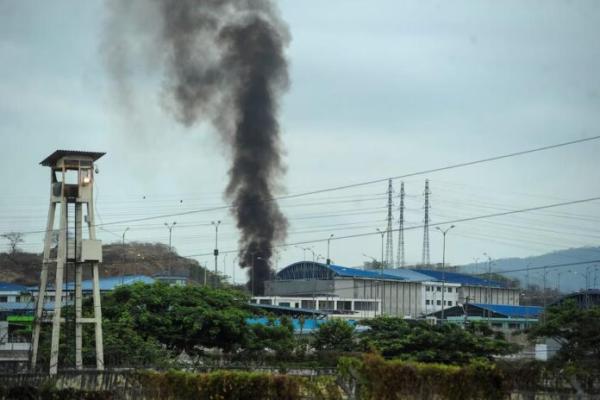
(409, 293)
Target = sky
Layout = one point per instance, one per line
(378, 89)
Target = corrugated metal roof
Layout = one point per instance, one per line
(409, 274)
(455, 277)
(512, 311)
(106, 284)
(11, 287)
(58, 154)
(361, 273)
(29, 306)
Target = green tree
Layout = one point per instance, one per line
(578, 332)
(334, 335)
(278, 338)
(418, 341)
(181, 318)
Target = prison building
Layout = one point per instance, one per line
(408, 293)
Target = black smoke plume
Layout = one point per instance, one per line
(224, 62)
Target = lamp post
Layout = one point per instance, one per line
(254, 258)
(382, 233)
(233, 266)
(170, 228)
(444, 232)
(216, 251)
(123, 249)
(304, 249)
(328, 245)
(489, 282)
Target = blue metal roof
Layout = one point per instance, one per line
(409, 274)
(29, 306)
(106, 284)
(308, 270)
(11, 287)
(362, 273)
(512, 311)
(455, 277)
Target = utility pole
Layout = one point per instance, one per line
(233, 266)
(328, 245)
(400, 260)
(123, 251)
(216, 251)
(389, 247)
(382, 233)
(444, 232)
(489, 282)
(476, 259)
(170, 228)
(254, 258)
(425, 260)
(545, 295)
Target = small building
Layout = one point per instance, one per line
(13, 293)
(583, 299)
(510, 320)
(334, 307)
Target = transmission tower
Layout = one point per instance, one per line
(389, 246)
(400, 261)
(425, 259)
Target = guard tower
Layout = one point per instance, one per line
(71, 187)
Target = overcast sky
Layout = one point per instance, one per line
(379, 89)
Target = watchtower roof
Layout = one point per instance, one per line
(52, 159)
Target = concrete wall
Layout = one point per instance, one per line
(401, 299)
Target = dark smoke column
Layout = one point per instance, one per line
(256, 54)
(225, 63)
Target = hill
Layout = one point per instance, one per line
(133, 258)
(569, 277)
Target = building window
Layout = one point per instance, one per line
(496, 324)
(365, 306)
(310, 304)
(428, 288)
(514, 325)
(439, 288)
(265, 301)
(284, 304)
(326, 305)
(427, 302)
(439, 302)
(344, 305)
(3, 299)
(449, 303)
(449, 290)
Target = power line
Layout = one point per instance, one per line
(335, 188)
(460, 220)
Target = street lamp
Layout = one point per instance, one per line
(489, 282)
(233, 266)
(304, 250)
(328, 245)
(170, 228)
(254, 258)
(123, 248)
(382, 233)
(216, 251)
(444, 232)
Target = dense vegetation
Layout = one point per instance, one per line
(153, 325)
(420, 341)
